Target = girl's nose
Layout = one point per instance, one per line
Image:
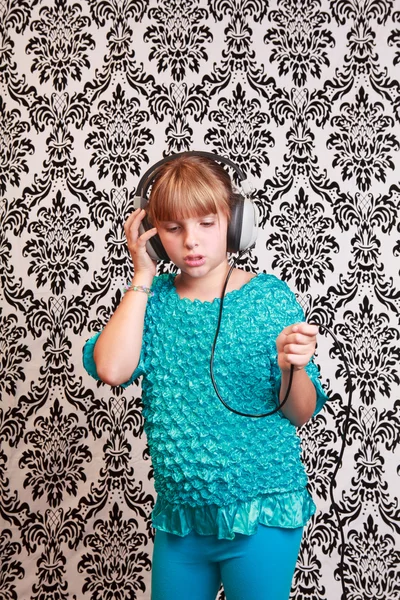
(190, 240)
(190, 243)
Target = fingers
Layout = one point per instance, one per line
(299, 337)
(132, 228)
(305, 328)
(296, 344)
(136, 239)
(299, 350)
(302, 328)
(142, 239)
(132, 224)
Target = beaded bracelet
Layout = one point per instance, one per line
(138, 288)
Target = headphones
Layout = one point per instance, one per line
(242, 227)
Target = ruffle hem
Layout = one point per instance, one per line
(289, 510)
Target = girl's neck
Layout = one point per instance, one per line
(205, 288)
(211, 286)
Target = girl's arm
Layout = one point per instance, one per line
(117, 350)
(296, 346)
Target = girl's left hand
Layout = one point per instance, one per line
(296, 345)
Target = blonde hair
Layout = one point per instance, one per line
(189, 186)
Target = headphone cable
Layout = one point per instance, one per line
(238, 412)
(332, 483)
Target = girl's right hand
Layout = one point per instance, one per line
(137, 243)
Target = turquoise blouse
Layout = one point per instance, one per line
(216, 472)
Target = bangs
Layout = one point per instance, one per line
(185, 191)
(176, 206)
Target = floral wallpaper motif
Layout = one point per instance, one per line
(364, 141)
(60, 49)
(118, 138)
(301, 39)
(304, 96)
(57, 250)
(55, 460)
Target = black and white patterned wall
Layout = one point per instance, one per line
(304, 95)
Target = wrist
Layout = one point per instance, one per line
(139, 288)
(142, 279)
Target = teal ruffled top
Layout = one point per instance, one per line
(216, 472)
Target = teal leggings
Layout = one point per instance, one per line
(254, 567)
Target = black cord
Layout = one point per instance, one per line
(238, 412)
(277, 408)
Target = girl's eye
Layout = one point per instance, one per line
(207, 223)
(172, 229)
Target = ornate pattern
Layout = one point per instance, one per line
(305, 97)
(60, 49)
(363, 142)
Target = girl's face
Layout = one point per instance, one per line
(196, 245)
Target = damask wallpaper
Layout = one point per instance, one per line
(304, 96)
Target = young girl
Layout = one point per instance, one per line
(231, 491)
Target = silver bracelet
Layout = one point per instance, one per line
(138, 288)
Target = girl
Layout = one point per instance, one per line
(231, 491)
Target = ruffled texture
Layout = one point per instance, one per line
(211, 465)
(289, 510)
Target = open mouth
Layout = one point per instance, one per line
(195, 260)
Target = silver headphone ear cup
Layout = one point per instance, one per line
(235, 224)
(242, 228)
(249, 225)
